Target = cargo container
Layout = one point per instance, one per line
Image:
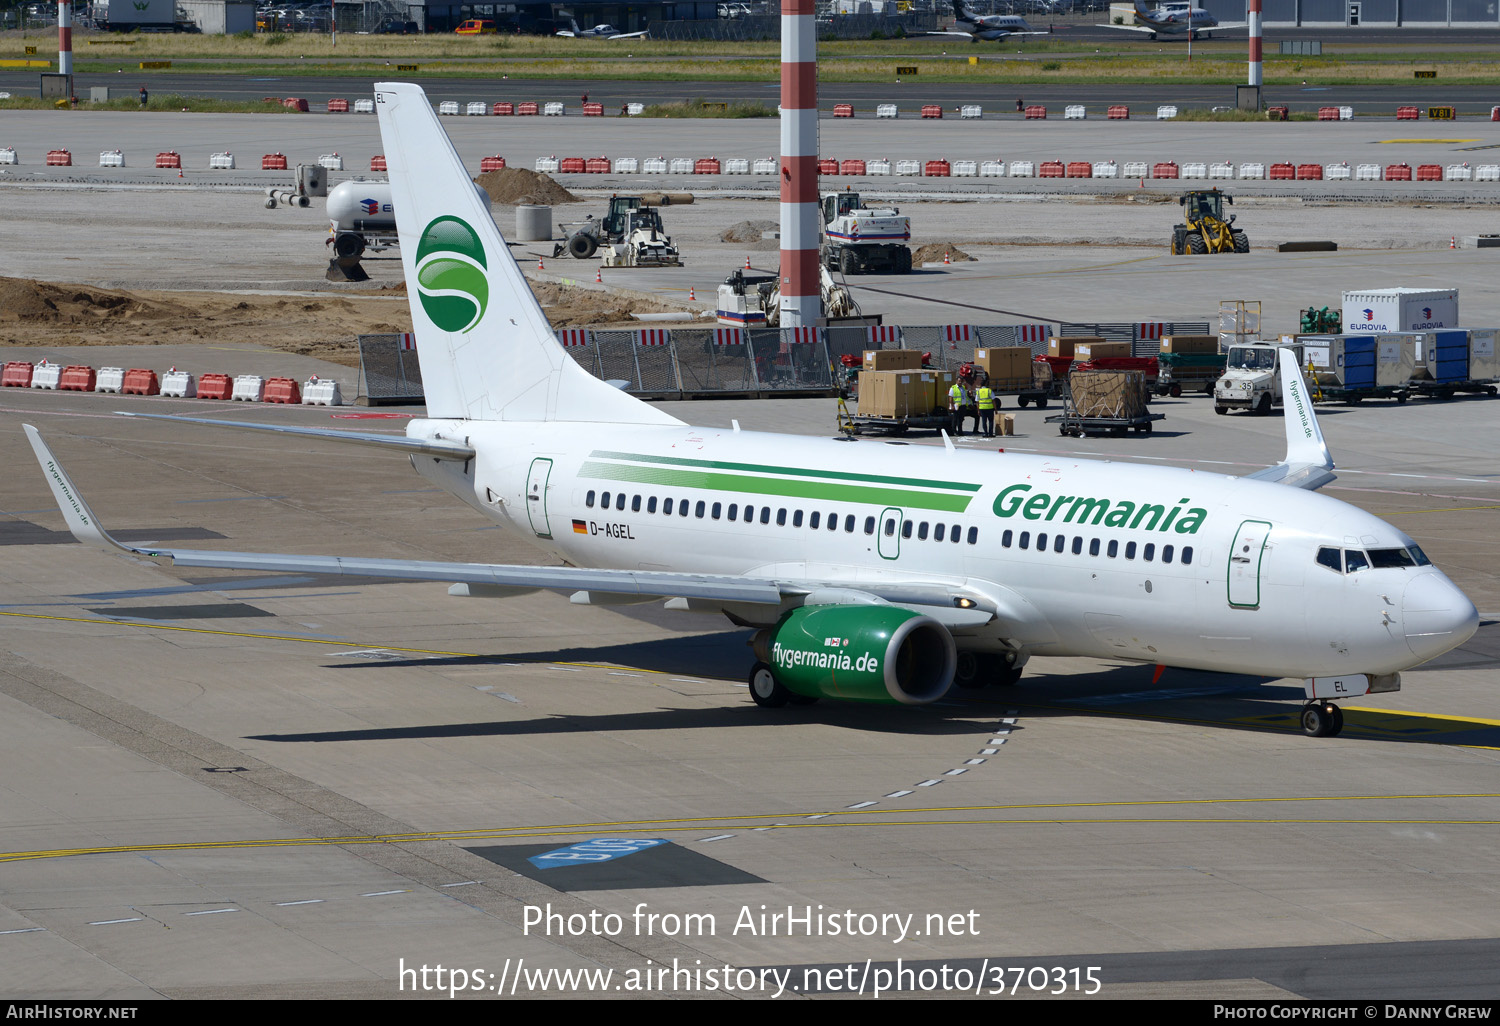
(1483, 367)
(1105, 402)
(1388, 310)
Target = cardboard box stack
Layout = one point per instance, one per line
(1064, 346)
(1106, 393)
(1190, 343)
(1084, 351)
(896, 393)
(892, 359)
(1008, 367)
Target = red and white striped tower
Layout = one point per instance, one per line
(65, 37)
(1254, 19)
(801, 299)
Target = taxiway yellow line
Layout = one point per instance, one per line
(856, 817)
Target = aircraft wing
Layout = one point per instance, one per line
(951, 603)
(1134, 28)
(1308, 463)
(631, 35)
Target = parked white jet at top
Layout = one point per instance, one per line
(989, 27)
(1175, 19)
(873, 571)
(598, 32)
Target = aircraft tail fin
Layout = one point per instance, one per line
(1140, 9)
(1308, 462)
(484, 345)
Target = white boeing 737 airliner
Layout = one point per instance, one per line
(873, 572)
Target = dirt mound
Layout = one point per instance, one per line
(568, 306)
(25, 300)
(932, 253)
(35, 313)
(515, 185)
(747, 231)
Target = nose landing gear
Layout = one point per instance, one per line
(1322, 719)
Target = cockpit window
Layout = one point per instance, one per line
(1382, 558)
(1332, 558)
(1355, 560)
(1419, 556)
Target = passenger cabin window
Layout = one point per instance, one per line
(620, 501)
(1005, 539)
(937, 532)
(1149, 553)
(651, 504)
(698, 511)
(849, 523)
(1078, 546)
(765, 515)
(682, 508)
(1187, 554)
(870, 525)
(666, 507)
(635, 504)
(717, 510)
(922, 531)
(906, 529)
(1059, 542)
(1025, 539)
(812, 521)
(1166, 553)
(1114, 549)
(589, 499)
(797, 518)
(1130, 550)
(734, 510)
(1093, 546)
(973, 535)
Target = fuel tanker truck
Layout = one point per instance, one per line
(360, 218)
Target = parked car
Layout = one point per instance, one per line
(476, 27)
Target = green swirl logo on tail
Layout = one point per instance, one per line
(450, 274)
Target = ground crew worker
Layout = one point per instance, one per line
(984, 399)
(958, 404)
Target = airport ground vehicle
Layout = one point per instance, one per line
(642, 242)
(582, 239)
(859, 239)
(1205, 229)
(1179, 372)
(476, 27)
(1250, 380)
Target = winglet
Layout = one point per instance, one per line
(80, 519)
(1308, 463)
(1304, 439)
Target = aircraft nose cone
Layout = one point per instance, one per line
(1437, 616)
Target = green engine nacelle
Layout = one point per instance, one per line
(860, 653)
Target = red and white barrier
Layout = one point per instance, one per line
(568, 337)
(729, 336)
(652, 336)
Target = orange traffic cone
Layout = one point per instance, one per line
(599, 276)
(539, 265)
(747, 263)
(945, 257)
(692, 296)
(1453, 242)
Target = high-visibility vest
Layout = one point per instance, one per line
(985, 398)
(956, 395)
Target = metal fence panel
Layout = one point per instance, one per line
(388, 373)
(617, 358)
(784, 365)
(703, 366)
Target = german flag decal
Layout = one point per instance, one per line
(580, 527)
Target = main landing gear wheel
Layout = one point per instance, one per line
(1322, 719)
(968, 672)
(768, 692)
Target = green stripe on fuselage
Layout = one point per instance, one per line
(761, 468)
(789, 489)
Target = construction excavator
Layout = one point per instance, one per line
(1205, 230)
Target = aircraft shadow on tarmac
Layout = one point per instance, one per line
(1125, 691)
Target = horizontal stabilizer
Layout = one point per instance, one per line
(437, 448)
